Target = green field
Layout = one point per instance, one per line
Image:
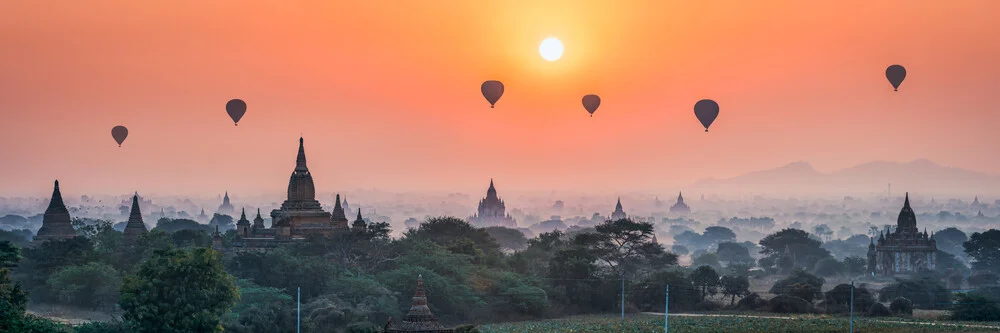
(720, 324)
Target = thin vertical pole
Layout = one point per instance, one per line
(852, 306)
(623, 297)
(666, 311)
(298, 311)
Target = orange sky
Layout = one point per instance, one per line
(387, 95)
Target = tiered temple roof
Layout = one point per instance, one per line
(619, 212)
(56, 222)
(419, 318)
(492, 211)
(135, 227)
(680, 207)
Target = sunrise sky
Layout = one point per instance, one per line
(386, 93)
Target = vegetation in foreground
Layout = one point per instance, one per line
(720, 324)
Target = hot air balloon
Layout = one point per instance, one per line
(492, 90)
(236, 108)
(591, 102)
(119, 133)
(706, 110)
(895, 74)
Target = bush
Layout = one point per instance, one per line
(975, 307)
(828, 267)
(362, 328)
(878, 310)
(707, 306)
(466, 329)
(751, 302)
(93, 285)
(101, 327)
(901, 306)
(789, 304)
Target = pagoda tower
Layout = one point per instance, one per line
(56, 223)
(359, 223)
(135, 227)
(338, 217)
(243, 225)
(619, 213)
(420, 318)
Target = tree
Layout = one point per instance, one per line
(509, 239)
(707, 279)
(855, 265)
(925, 292)
(806, 251)
(679, 249)
(981, 279)
(191, 238)
(823, 231)
(950, 240)
(13, 299)
(984, 248)
(784, 286)
(734, 286)
(92, 285)
(460, 237)
(841, 296)
(715, 235)
(178, 291)
(708, 259)
(175, 225)
(975, 307)
(625, 245)
(731, 253)
(260, 310)
(828, 267)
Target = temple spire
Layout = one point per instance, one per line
(618, 206)
(243, 216)
(906, 201)
(680, 197)
(57, 200)
(300, 160)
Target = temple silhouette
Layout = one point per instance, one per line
(492, 212)
(905, 250)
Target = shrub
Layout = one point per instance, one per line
(466, 329)
(878, 310)
(789, 304)
(975, 307)
(751, 302)
(901, 306)
(707, 305)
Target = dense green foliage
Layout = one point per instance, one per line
(178, 291)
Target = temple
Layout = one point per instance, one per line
(299, 216)
(492, 211)
(344, 204)
(419, 319)
(680, 207)
(134, 228)
(904, 251)
(226, 208)
(56, 222)
(619, 213)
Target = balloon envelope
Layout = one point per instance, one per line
(895, 74)
(236, 108)
(492, 90)
(591, 102)
(706, 110)
(119, 133)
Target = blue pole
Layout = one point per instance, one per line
(852, 306)
(623, 297)
(298, 311)
(666, 311)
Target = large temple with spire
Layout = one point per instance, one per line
(56, 223)
(492, 212)
(226, 208)
(619, 213)
(419, 319)
(680, 208)
(903, 251)
(299, 216)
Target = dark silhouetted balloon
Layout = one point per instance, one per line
(706, 110)
(119, 133)
(492, 90)
(895, 74)
(591, 102)
(236, 108)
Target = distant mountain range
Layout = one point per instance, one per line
(918, 176)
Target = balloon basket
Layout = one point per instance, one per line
(706, 130)
(491, 107)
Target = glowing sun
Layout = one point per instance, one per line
(551, 49)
